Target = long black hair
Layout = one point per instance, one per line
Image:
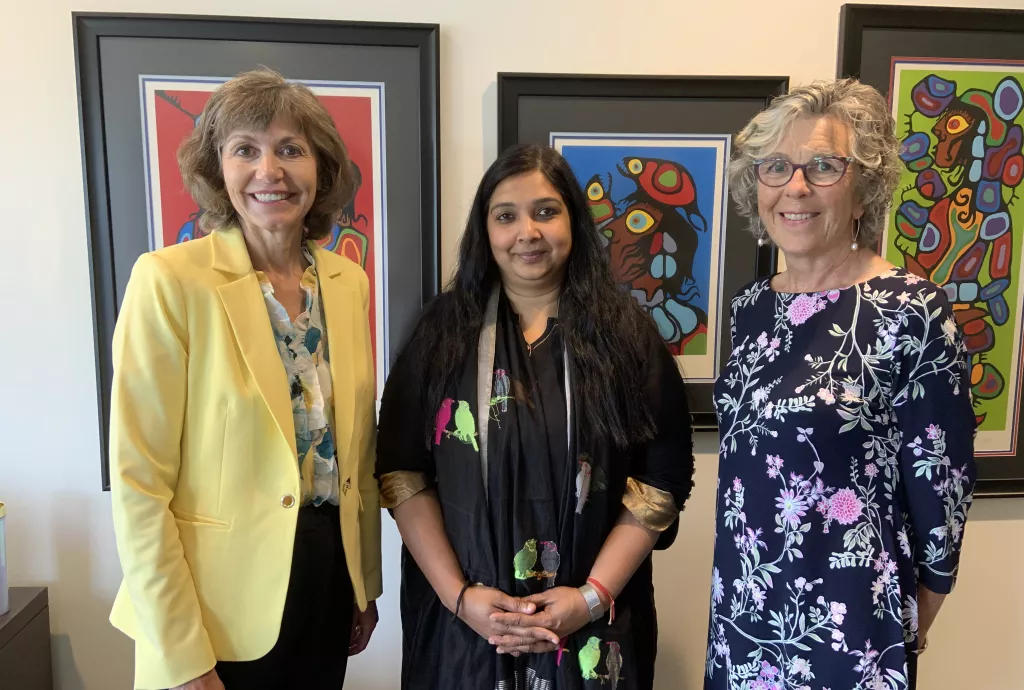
(606, 333)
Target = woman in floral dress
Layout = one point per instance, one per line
(847, 431)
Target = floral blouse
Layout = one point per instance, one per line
(303, 348)
(845, 476)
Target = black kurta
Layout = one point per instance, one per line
(553, 496)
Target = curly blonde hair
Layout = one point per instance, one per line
(251, 101)
(873, 146)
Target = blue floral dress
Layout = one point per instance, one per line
(846, 472)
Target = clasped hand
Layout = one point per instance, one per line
(533, 624)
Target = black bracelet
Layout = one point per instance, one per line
(458, 602)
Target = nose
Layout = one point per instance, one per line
(269, 168)
(797, 185)
(529, 230)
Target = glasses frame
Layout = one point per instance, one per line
(847, 161)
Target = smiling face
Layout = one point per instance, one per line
(270, 177)
(530, 233)
(801, 218)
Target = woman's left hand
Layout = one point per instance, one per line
(562, 610)
(363, 623)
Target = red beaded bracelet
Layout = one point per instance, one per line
(604, 590)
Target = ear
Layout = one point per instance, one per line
(858, 205)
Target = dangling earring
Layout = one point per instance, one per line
(762, 240)
(856, 234)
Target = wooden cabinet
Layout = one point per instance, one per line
(25, 641)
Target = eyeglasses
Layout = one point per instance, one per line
(821, 171)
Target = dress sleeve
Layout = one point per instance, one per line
(937, 425)
(405, 464)
(661, 473)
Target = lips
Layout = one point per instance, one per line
(530, 257)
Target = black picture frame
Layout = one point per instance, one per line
(870, 36)
(404, 57)
(670, 104)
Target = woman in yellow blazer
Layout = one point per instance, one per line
(242, 420)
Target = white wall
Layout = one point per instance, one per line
(59, 522)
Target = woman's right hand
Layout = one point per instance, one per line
(207, 681)
(478, 603)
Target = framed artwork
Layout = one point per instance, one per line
(143, 82)
(651, 155)
(954, 82)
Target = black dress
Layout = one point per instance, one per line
(553, 496)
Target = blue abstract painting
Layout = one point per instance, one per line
(659, 204)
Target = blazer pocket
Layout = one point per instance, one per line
(199, 520)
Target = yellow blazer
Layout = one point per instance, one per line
(204, 469)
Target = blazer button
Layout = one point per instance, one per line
(287, 500)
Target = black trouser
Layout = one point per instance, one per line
(311, 652)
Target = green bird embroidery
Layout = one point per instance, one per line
(590, 657)
(525, 560)
(465, 425)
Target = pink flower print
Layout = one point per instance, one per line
(791, 507)
(768, 671)
(844, 507)
(904, 297)
(838, 612)
(838, 640)
(833, 295)
(760, 685)
(934, 432)
(827, 396)
(737, 485)
(762, 340)
(871, 470)
(774, 344)
(910, 279)
(803, 307)
(800, 667)
(851, 393)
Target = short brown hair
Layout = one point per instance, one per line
(252, 100)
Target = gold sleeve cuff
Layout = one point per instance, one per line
(653, 508)
(398, 487)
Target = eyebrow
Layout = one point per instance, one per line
(816, 153)
(536, 202)
(250, 136)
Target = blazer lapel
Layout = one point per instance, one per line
(247, 313)
(338, 300)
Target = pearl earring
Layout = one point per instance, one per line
(856, 234)
(762, 240)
